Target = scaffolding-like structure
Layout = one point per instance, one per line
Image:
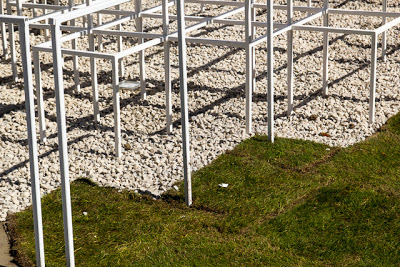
(85, 12)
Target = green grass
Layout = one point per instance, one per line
(291, 203)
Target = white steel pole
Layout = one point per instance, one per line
(290, 57)
(33, 155)
(139, 28)
(249, 66)
(253, 49)
(270, 59)
(374, 47)
(167, 67)
(46, 31)
(116, 107)
(120, 47)
(39, 96)
(3, 32)
(93, 69)
(12, 44)
(100, 37)
(384, 38)
(184, 102)
(325, 51)
(62, 142)
(309, 5)
(75, 61)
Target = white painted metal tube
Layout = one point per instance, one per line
(285, 28)
(120, 48)
(62, 142)
(325, 50)
(12, 45)
(333, 30)
(127, 33)
(116, 107)
(33, 155)
(3, 32)
(140, 47)
(209, 21)
(388, 25)
(94, 7)
(142, 70)
(206, 41)
(100, 37)
(270, 61)
(364, 13)
(290, 57)
(184, 102)
(295, 8)
(216, 2)
(374, 48)
(39, 95)
(384, 41)
(249, 67)
(167, 68)
(93, 71)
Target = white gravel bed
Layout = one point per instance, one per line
(151, 160)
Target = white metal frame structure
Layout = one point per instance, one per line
(114, 58)
(181, 36)
(326, 29)
(22, 22)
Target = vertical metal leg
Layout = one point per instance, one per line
(184, 102)
(100, 37)
(93, 71)
(374, 48)
(46, 31)
(270, 59)
(33, 155)
(12, 45)
(167, 67)
(253, 50)
(120, 48)
(384, 38)
(249, 67)
(39, 96)
(290, 58)
(325, 52)
(75, 64)
(116, 107)
(139, 28)
(62, 142)
(3, 32)
(309, 5)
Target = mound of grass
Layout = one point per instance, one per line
(289, 203)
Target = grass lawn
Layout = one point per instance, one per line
(291, 203)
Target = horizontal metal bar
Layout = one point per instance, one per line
(12, 19)
(207, 41)
(62, 27)
(362, 13)
(333, 30)
(75, 52)
(41, 6)
(138, 48)
(388, 25)
(284, 7)
(127, 34)
(286, 28)
(219, 21)
(94, 7)
(216, 2)
(65, 38)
